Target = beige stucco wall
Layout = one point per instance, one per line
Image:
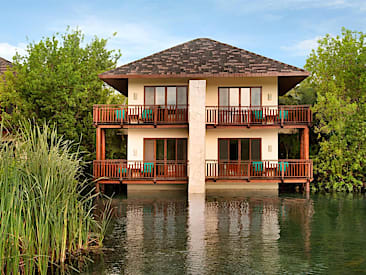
(268, 84)
(135, 140)
(269, 138)
(136, 87)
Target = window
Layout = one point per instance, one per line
(171, 149)
(232, 97)
(236, 149)
(166, 95)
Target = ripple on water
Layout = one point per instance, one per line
(250, 234)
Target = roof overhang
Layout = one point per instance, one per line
(120, 84)
(286, 81)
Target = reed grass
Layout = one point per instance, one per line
(46, 211)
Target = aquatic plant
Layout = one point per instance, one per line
(46, 209)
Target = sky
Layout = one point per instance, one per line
(285, 30)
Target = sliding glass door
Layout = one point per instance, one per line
(236, 153)
(171, 102)
(169, 155)
(235, 101)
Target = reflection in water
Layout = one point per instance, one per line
(196, 233)
(233, 234)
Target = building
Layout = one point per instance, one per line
(206, 114)
(4, 65)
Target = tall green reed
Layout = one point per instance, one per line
(46, 214)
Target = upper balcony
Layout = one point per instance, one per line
(152, 116)
(291, 116)
(140, 116)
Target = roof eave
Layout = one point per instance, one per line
(183, 75)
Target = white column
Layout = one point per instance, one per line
(197, 136)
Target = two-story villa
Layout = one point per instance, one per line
(203, 114)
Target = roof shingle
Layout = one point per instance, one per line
(204, 57)
(4, 64)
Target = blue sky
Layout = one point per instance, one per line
(285, 30)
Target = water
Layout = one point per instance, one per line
(235, 233)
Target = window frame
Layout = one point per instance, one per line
(239, 149)
(166, 95)
(165, 149)
(240, 88)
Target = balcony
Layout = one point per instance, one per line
(289, 170)
(130, 116)
(271, 116)
(138, 171)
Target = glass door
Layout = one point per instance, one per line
(168, 154)
(236, 155)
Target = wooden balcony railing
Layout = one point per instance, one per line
(265, 169)
(137, 169)
(140, 114)
(264, 115)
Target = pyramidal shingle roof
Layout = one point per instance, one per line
(4, 64)
(204, 57)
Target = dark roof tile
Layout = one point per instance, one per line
(203, 57)
(4, 64)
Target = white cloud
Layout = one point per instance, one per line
(7, 50)
(136, 40)
(302, 48)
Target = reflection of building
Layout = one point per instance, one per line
(208, 236)
(199, 112)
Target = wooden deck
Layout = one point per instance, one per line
(173, 172)
(285, 170)
(264, 116)
(154, 116)
(140, 172)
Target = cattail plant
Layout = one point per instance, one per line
(46, 207)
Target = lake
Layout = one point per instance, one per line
(235, 233)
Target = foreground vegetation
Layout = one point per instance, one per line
(46, 216)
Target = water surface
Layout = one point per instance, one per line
(235, 233)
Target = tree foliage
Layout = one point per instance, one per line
(338, 73)
(57, 80)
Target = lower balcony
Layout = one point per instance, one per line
(286, 170)
(175, 172)
(138, 171)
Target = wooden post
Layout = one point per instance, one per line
(301, 133)
(98, 152)
(306, 155)
(102, 157)
(98, 143)
(306, 142)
